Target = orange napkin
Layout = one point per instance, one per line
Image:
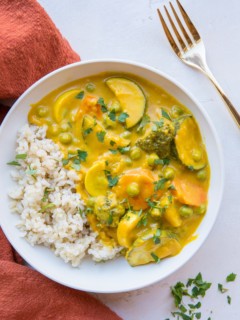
(30, 47)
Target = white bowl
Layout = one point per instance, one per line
(117, 275)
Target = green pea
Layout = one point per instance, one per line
(108, 123)
(151, 159)
(133, 189)
(54, 130)
(135, 153)
(65, 127)
(90, 202)
(128, 162)
(186, 211)
(115, 105)
(176, 112)
(90, 87)
(125, 135)
(168, 173)
(156, 213)
(196, 155)
(65, 138)
(201, 209)
(202, 175)
(42, 111)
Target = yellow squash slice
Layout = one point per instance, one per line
(96, 182)
(147, 249)
(131, 98)
(63, 101)
(187, 140)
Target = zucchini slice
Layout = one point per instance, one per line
(188, 141)
(145, 249)
(131, 98)
(64, 99)
(96, 182)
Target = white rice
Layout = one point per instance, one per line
(59, 221)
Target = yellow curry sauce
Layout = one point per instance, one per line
(143, 167)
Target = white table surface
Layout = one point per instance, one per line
(129, 29)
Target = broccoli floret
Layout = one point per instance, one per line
(107, 210)
(158, 139)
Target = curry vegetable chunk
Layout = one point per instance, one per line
(142, 164)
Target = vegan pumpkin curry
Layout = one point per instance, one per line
(143, 167)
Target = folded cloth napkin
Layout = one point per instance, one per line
(27, 295)
(30, 47)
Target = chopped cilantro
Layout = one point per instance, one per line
(110, 218)
(80, 95)
(112, 181)
(112, 143)
(112, 115)
(145, 120)
(102, 104)
(162, 161)
(31, 171)
(221, 289)
(123, 117)
(113, 151)
(155, 257)
(82, 155)
(123, 150)
(143, 221)
(166, 115)
(13, 163)
(65, 162)
(231, 277)
(106, 163)
(159, 185)
(101, 135)
(22, 156)
(76, 166)
(156, 237)
(159, 123)
(48, 206)
(87, 131)
(229, 299)
(171, 187)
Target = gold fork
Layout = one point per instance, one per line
(190, 48)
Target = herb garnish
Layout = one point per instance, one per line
(231, 277)
(87, 131)
(123, 117)
(101, 135)
(31, 172)
(156, 237)
(155, 257)
(229, 299)
(13, 163)
(112, 181)
(112, 115)
(145, 120)
(110, 218)
(159, 185)
(123, 150)
(102, 104)
(20, 156)
(80, 95)
(164, 161)
(166, 115)
(221, 289)
(76, 159)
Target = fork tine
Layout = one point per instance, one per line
(168, 34)
(189, 41)
(183, 45)
(189, 23)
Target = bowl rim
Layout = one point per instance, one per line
(206, 117)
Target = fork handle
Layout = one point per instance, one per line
(229, 104)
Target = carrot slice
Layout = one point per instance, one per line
(145, 180)
(189, 192)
